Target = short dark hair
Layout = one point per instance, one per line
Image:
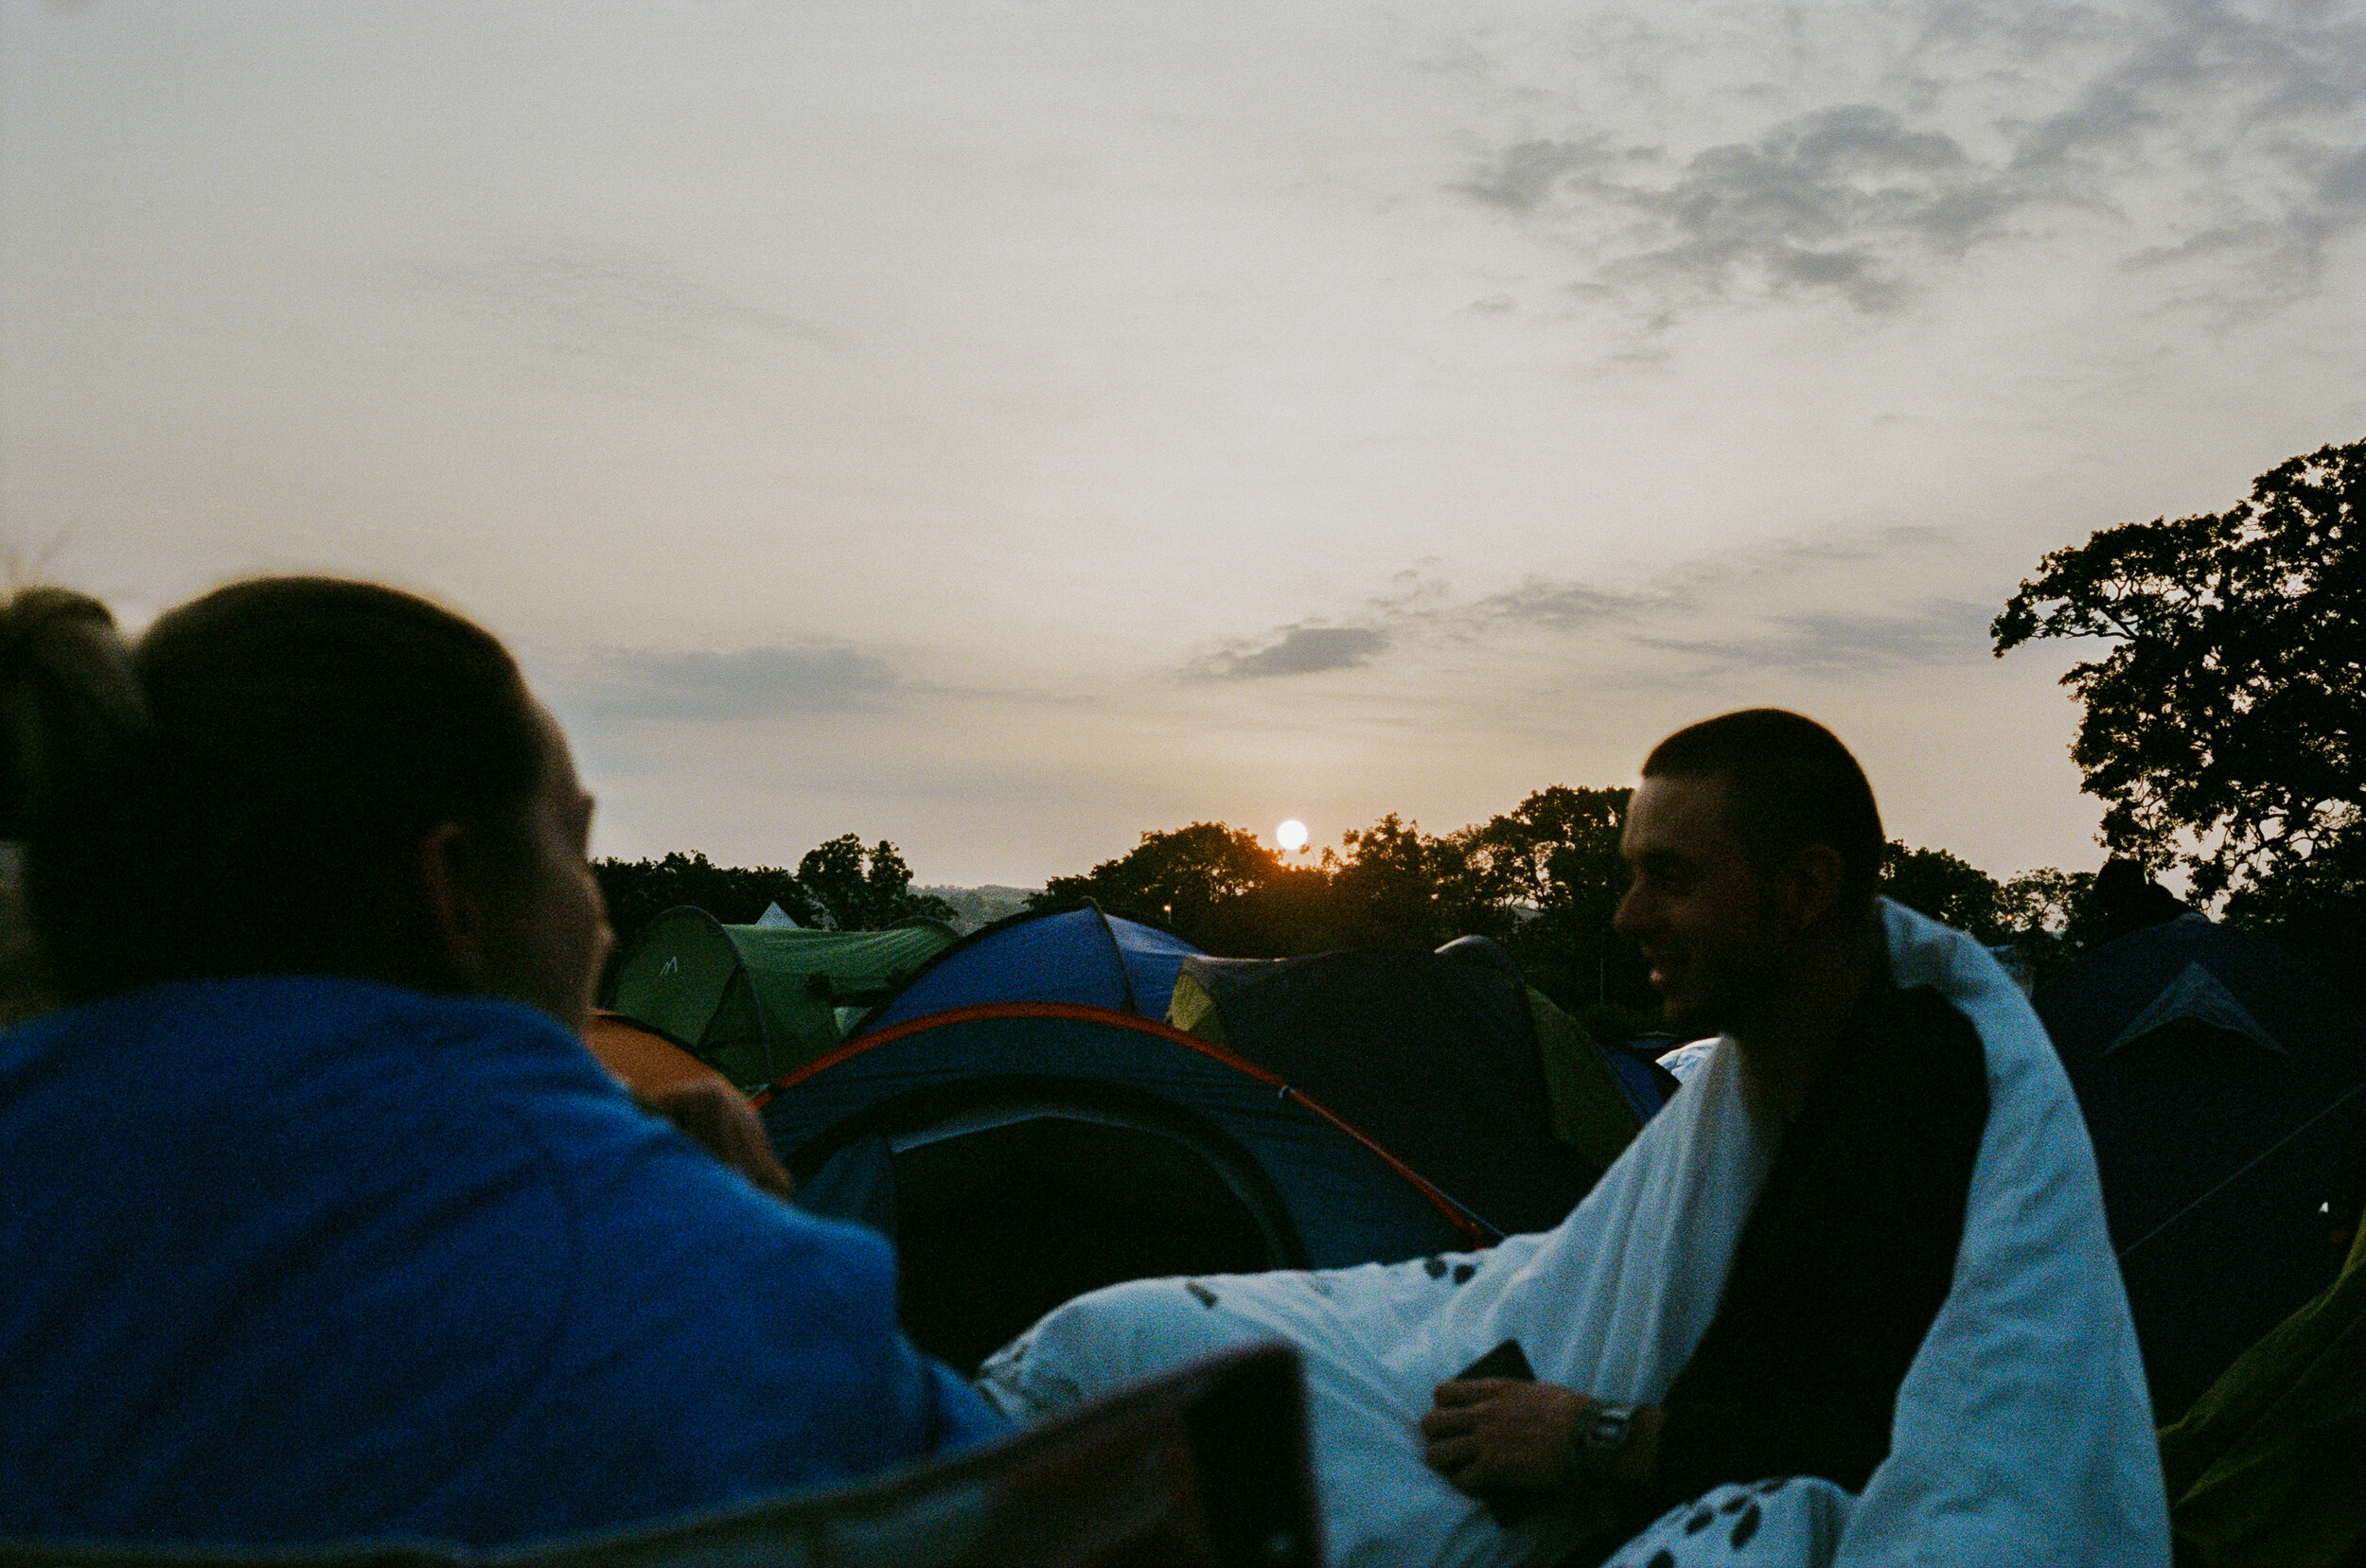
(1788, 783)
(293, 738)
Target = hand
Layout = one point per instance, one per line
(719, 1121)
(1501, 1435)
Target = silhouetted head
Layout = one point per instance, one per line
(1751, 834)
(293, 775)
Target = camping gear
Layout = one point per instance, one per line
(2021, 1432)
(1477, 1079)
(1078, 954)
(2263, 1471)
(1021, 1152)
(641, 1059)
(2218, 1075)
(1206, 1468)
(756, 1001)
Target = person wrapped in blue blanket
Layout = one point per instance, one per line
(318, 1222)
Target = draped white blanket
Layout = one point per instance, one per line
(2023, 1435)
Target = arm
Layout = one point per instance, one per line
(1491, 1435)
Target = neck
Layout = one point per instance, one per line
(1789, 1038)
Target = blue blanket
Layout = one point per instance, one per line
(294, 1260)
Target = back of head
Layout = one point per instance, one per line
(1788, 783)
(70, 714)
(239, 793)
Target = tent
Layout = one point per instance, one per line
(2218, 1075)
(642, 1060)
(754, 1001)
(1022, 1153)
(1449, 1058)
(1079, 955)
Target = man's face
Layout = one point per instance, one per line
(1701, 916)
(552, 934)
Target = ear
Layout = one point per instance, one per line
(1817, 873)
(448, 884)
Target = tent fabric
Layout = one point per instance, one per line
(1023, 1153)
(756, 1001)
(2202, 997)
(1645, 1090)
(2021, 1434)
(2215, 1148)
(1438, 1056)
(641, 1059)
(1082, 956)
(1597, 1105)
(2264, 1471)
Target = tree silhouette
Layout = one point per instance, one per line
(2227, 724)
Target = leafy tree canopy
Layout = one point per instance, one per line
(2226, 724)
(849, 888)
(1947, 889)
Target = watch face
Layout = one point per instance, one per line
(1607, 1425)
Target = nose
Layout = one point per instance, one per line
(1630, 917)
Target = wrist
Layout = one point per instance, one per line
(1598, 1439)
(1638, 1461)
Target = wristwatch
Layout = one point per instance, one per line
(1602, 1433)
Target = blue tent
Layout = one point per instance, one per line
(1022, 1153)
(2217, 1076)
(1079, 956)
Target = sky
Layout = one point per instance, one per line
(1006, 428)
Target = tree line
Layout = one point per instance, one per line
(1543, 879)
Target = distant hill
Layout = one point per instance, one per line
(975, 906)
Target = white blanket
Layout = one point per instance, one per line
(2023, 1433)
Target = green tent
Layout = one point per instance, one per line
(756, 1001)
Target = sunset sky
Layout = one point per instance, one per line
(1006, 427)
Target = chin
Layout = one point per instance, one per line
(1693, 1019)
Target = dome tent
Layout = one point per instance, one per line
(1450, 1058)
(754, 1001)
(2218, 1075)
(1021, 1152)
(1077, 955)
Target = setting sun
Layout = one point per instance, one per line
(1290, 834)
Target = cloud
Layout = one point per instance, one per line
(1422, 608)
(1300, 650)
(1555, 607)
(2196, 134)
(570, 307)
(750, 684)
(1522, 177)
(1833, 645)
(1836, 200)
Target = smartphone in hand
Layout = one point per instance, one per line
(1504, 1361)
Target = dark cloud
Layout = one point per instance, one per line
(1300, 650)
(752, 683)
(1523, 177)
(1828, 643)
(1423, 608)
(1838, 201)
(2210, 137)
